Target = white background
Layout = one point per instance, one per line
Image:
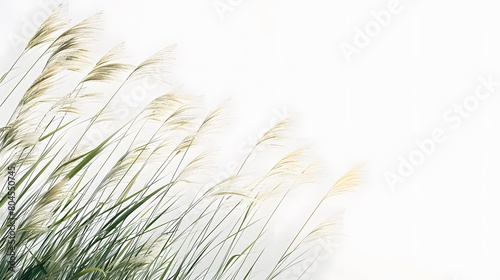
(442, 222)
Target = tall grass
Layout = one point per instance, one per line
(138, 204)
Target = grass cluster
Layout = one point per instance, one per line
(139, 204)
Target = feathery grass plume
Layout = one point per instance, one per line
(72, 102)
(155, 66)
(70, 49)
(149, 251)
(36, 220)
(123, 165)
(84, 30)
(310, 174)
(326, 229)
(271, 138)
(237, 185)
(184, 118)
(107, 69)
(164, 105)
(293, 163)
(149, 200)
(67, 47)
(212, 121)
(284, 173)
(275, 134)
(348, 182)
(200, 164)
(46, 33)
(40, 87)
(216, 119)
(72, 54)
